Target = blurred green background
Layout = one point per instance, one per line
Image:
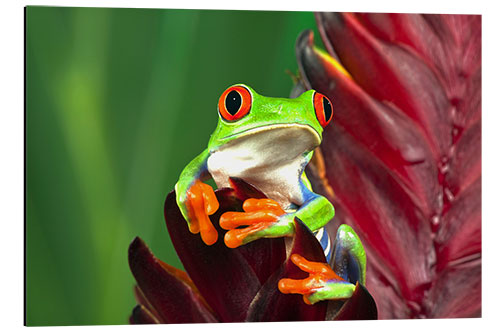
(118, 101)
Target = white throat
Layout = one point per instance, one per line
(271, 158)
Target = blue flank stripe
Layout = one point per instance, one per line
(321, 234)
(326, 244)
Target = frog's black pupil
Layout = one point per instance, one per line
(328, 109)
(233, 102)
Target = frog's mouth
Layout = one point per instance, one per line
(276, 143)
(294, 131)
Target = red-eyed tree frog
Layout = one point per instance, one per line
(267, 142)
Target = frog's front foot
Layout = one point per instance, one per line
(202, 202)
(260, 218)
(322, 284)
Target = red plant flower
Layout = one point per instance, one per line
(231, 285)
(402, 164)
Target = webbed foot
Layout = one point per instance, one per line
(260, 218)
(322, 284)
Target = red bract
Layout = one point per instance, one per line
(403, 156)
(230, 285)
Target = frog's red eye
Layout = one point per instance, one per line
(323, 108)
(235, 103)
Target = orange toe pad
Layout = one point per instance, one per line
(202, 202)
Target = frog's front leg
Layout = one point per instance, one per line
(264, 218)
(197, 200)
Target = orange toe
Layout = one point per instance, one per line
(319, 275)
(236, 237)
(257, 215)
(231, 220)
(252, 205)
(316, 268)
(202, 202)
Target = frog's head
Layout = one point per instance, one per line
(243, 114)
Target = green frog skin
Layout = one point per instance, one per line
(267, 142)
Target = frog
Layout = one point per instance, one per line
(266, 142)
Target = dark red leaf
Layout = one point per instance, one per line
(224, 277)
(271, 305)
(264, 255)
(306, 245)
(244, 190)
(163, 288)
(141, 315)
(360, 306)
(142, 300)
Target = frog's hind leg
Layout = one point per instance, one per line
(335, 281)
(323, 283)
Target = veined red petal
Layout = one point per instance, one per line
(420, 222)
(378, 128)
(456, 293)
(368, 193)
(390, 73)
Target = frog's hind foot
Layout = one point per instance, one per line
(322, 284)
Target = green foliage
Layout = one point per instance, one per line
(118, 101)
